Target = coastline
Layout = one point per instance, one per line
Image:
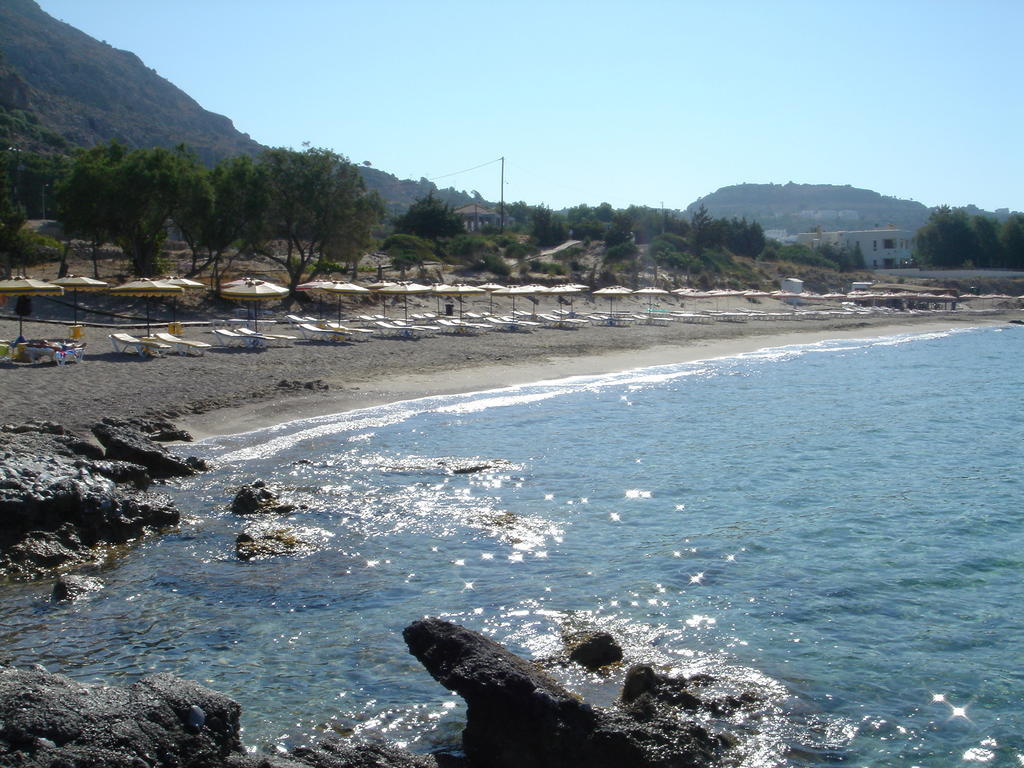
(397, 387)
(231, 390)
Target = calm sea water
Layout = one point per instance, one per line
(835, 526)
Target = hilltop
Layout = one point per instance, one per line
(802, 207)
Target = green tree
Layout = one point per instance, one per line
(407, 251)
(743, 238)
(12, 217)
(1012, 238)
(705, 231)
(988, 247)
(86, 199)
(947, 240)
(318, 207)
(546, 227)
(431, 219)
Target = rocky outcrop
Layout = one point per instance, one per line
(73, 587)
(594, 650)
(50, 720)
(261, 542)
(59, 500)
(517, 715)
(257, 498)
(126, 442)
(162, 721)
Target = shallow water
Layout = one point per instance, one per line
(833, 526)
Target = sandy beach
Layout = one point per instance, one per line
(231, 390)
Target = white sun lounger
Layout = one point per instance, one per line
(284, 338)
(125, 342)
(312, 333)
(180, 345)
(232, 339)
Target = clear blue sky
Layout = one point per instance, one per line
(643, 102)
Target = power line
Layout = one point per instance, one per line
(467, 170)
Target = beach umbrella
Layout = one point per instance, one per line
(185, 283)
(316, 285)
(147, 288)
(251, 289)
(570, 290)
(76, 283)
(613, 292)
(491, 288)
(519, 290)
(339, 289)
(650, 293)
(457, 291)
(405, 290)
(28, 287)
(377, 288)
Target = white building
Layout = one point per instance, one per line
(881, 248)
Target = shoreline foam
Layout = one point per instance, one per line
(393, 388)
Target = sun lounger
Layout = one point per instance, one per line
(402, 331)
(284, 338)
(125, 342)
(354, 333)
(232, 339)
(180, 345)
(299, 320)
(312, 333)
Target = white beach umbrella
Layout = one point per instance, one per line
(569, 289)
(491, 288)
(457, 291)
(519, 290)
(251, 289)
(185, 283)
(613, 292)
(340, 288)
(650, 293)
(405, 290)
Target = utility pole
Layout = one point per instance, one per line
(501, 205)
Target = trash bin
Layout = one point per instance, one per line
(449, 309)
(175, 328)
(76, 331)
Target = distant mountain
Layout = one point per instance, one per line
(802, 207)
(61, 88)
(89, 92)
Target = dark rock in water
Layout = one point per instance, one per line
(125, 442)
(161, 721)
(73, 587)
(263, 542)
(594, 650)
(335, 753)
(50, 720)
(645, 689)
(519, 716)
(257, 498)
(57, 503)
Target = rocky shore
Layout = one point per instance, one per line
(66, 502)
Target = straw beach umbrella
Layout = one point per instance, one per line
(185, 283)
(27, 286)
(613, 292)
(339, 289)
(253, 290)
(147, 288)
(405, 290)
(457, 291)
(76, 283)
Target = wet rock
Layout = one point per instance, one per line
(256, 498)
(50, 720)
(126, 443)
(518, 715)
(336, 753)
(259, 543)
(73, 587)
(158, 429)
(645, 689)
(594, 650)
(57, 504)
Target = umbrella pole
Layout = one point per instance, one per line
(147, 316)
(74, 295)
(339, 310)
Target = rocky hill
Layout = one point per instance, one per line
(802, 207)
(61, 88)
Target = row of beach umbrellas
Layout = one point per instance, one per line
(257, 290)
